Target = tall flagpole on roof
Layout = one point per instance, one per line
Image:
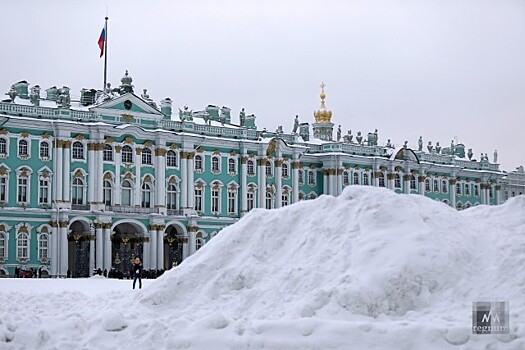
(106, 50)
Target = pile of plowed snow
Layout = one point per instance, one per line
(368, 269)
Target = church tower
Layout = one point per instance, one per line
(323, 126)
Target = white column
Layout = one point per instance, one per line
(91, 255)
(99, 173)
(108, 262)
(146, 252)
(185, 248)
(67, 175)
(261, 165)
(498, 194)
(160, 172)
(278, 183)
(244, 189)
(153, 246)
(184, 181)
(339, 180)
(421, 183)
(192, 240)
(390, 180)
(191, 171)
(326, 187)
(295, 181)
(118, 162)
(407, 183)
(99, 244)
(59, 177)
(160, 247)
(138, 180)
(64, 259)
(54, 251)
(92, 170)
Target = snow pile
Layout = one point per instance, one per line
(368, 269)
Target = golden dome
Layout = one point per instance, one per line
(323, 115)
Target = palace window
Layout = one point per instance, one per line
(268, 168)
(490, 192)
(146, 195)
(78, 150)
(427, 185)
(444, 186)
(250, 167)
(215, 200)
(285, 199)
(269, 200)
(346, 180)
(77, 195)
(22, 148)
(43, 191)
(232, 168)
(381, 180)
(436, 186)
(22, 246)
(285, 170)
(198, 163)
(476, 191)
(146, 156)
(127, 154)
(3, 146)
(250, 196)
(43, 243)
(3, 188)
(365, 180)
(108, 152)
(3, 245)
(300, 177)
(215, 164)
(44, 149)
(199, 242)
(356, 178)
(458, 189)
(22, 190)
(311, 178)
(467, 190)
(232, 201)
(397, 181)
(198, 200)
(107, 193)
(171, 197)
(171, 158)
(126, 192)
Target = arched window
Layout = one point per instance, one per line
(171, 198)
(413, 185)
(215, 200)
(490, 192)
(427, 185)
(22, 148)
(215, 164)
(126, 192)
(346, 180)
(42, 247)
(251, 167)
(146, 156)
(285, 198)
(198, 199)
(381, 180)
(365, 180)
(269, 200)
(311, 178)
(3, 146)
(467, 190)
(268, 168)
(44, 149)
(171, 158)
(3, 245)
(77, 193)
(356, 178)
(43, 190)
(232, 200)
(198, 163)
(127, 154)
(107, 192)
(23, 189)
(232, 167)
(146, 195)
(300, 177)
(108, 153)
(476, 191)
(22, 246)
(199, 242)
(458, 189)
(444, 186)
(436, 186)
(78, 150)
(397, 181)
(285, 170)
(250, 198)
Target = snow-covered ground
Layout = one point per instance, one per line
(370, 269)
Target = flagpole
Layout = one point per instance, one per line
(105, 53)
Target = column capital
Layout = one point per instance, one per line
(160, 152)
(452, 181)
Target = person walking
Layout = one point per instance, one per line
(137, 272)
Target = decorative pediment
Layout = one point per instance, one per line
(172, 180)
(129, 107)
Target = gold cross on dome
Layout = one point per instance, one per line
(322, 86)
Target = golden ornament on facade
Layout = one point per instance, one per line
(45, 135)
(78, 173)
(109, 139)
(172, 180)
(129, 139)
(3, 132)
(160, 152)
(79, 137)
(138, 151)
(148, 143)
(118, 149)
(24, 134)
(128, 118)
(323, 115)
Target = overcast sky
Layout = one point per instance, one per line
(441, 69)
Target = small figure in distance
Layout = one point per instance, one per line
(137, 272)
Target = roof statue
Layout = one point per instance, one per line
(438, 148)
(420, 144)
(359, 138)
(348, 137)
(339, 133)
(495, 156)
(295, 124)
(470, 154)
(242, 117)
(185, 115)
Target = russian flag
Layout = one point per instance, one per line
(101, 41)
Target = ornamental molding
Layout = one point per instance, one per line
(79, 137)
(160, 152)
(129, 139)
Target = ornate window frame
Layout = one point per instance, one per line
(147, 156)
(23, 173)
(172, 158)
(4, 153)
(23, 144)
(232, 166)
(199, 160)
(44, 157)
(78, 147)
(23, 232)
(215, 164)
(108, 153)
